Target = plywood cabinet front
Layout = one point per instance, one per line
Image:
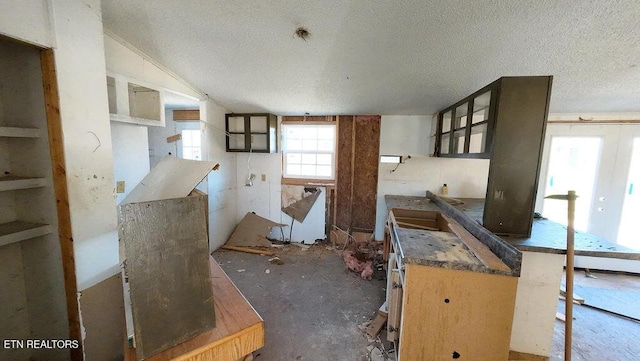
(449, 296)
(453, 314)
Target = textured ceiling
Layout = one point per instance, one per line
(388, 57)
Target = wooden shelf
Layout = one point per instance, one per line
(10, 183)
(19, 231)
(15, 132)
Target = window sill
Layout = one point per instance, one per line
(309, 182)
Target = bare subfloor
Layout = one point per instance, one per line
(315, 309)
(598, 335)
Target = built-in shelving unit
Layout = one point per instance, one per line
(19, 231)
(131, 102)
(16, 132)
(12, 183)
(31, 271)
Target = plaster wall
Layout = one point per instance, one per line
(130, 155)
(221, 183)
(29, 21)
(411, 135)
(158, 146)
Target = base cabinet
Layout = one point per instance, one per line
(452, 314)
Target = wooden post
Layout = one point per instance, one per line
(568, 325)
(56, 146)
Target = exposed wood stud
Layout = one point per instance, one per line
(56, 145)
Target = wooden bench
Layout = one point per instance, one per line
(239, 329)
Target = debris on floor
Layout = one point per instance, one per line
(276, 260)
(252, 231)
(360, 254)
(365, 268)
(248, 250)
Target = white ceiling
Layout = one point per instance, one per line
(388, 57)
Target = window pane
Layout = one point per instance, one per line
(324, 159)
(186, 138)
(324, 171)
(294, 158)
(293, 132)
(195, 138)
(326, 132)
(308, 170)
(325, 145)
(293, 145)
(294, 169)
(308, 159)
(310, 145)
(310, 133)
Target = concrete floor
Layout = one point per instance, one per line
(313, 307)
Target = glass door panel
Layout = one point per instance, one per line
(573, 164)
(629, 231)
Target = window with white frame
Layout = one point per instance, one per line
(191, 144)
(308, 151)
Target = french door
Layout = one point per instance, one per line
(602, 163)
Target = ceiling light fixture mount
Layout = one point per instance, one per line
(302, 33)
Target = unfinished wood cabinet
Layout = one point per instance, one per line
(448, 297)
(31, 273)
(504, 122)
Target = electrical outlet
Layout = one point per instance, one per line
(120, 187)
(264, 177)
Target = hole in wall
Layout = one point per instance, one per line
(456, 355)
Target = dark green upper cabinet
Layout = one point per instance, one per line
(504, 122)
(256, 132)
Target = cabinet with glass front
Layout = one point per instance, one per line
(504, 122)
(252, 133)
(464, 128)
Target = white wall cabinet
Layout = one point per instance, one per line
(133, 101)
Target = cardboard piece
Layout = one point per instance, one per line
(252, 231)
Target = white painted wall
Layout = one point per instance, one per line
(410, 135)
(130, 155)
(124, 59)
(264, 197)
(79, 56)
(28, 21)
(158, 146)
(221, 183)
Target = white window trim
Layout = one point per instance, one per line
(285, 151)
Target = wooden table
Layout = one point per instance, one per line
(239, 329)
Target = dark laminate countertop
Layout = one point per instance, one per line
(442, 249)
(546, 236)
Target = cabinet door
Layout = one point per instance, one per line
(395, 306)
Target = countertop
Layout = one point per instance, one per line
(443, 249)
(546, 236)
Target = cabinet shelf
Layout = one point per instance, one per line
(19, 231)
(17, 132)
(10, 183)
